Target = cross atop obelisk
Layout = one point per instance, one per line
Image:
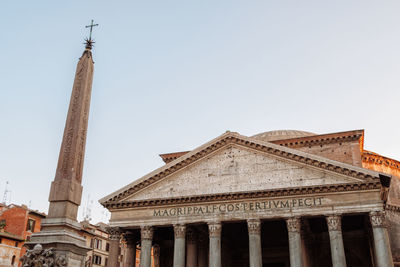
(91, 28)
(89, 42)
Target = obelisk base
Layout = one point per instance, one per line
(62, 236)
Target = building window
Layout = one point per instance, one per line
(30, 226)
(106, 261)
(96, 243)
(96, 259)
(16, 243)
(13, 260)
(107, 246)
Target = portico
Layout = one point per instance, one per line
(236, 201)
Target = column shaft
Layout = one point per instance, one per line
(215, 244)
(336, 240)
(255, 252)
(114, 235)
(383, 253)
(179, 245)
(130, 256)
(295, 247)
(146, 243)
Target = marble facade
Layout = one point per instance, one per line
(258, 201)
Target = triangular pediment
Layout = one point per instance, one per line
(233, 163)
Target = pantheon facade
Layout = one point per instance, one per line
(275, 199)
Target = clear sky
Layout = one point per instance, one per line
(171, 75)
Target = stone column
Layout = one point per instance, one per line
(146, 233)
(335, 236)
(214, 230)
(156, 255)
(191, 248)
(130, 253)
(179, 245)
(255, 252)
(114, 236)
(383, 253)
(295, 248)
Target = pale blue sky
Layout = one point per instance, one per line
(171, 75)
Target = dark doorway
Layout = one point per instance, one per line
(274, 264)
(275, 244)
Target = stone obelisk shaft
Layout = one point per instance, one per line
(66, 189)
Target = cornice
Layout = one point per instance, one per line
(335, 188)
(371, 157)
(392, 208)
(230, 138)
(322, 139)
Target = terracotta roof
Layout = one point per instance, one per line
(168, 157)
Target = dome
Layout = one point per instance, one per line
(281, 135)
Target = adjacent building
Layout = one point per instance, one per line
(279, 198)
(97, 238)
(17, 223)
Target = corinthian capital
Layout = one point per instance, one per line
(146, 232)
(378, 219)
(114, 233)
(334, 222)
(293, 224)
(214, 229)
(179, 230)
(254, 226)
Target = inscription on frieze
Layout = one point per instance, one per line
(250, 206)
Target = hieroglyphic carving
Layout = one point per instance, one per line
(334, 222)
(378, 219)
(214, 229)
(39, 257)
(114, 233)
(254, 226)
(146, 232)
(72, 151)
(179, 230)
(293, 224)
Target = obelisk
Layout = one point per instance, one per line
(60, 230)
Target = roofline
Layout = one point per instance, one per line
(294, 142)
(229, 138)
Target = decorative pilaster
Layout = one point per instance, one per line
(179, 245)
(295, 248)
(214, 230)
(255, 252)
(114, 236)
(336, 240)
(146, 234)
(191, 248)
(383, 253)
